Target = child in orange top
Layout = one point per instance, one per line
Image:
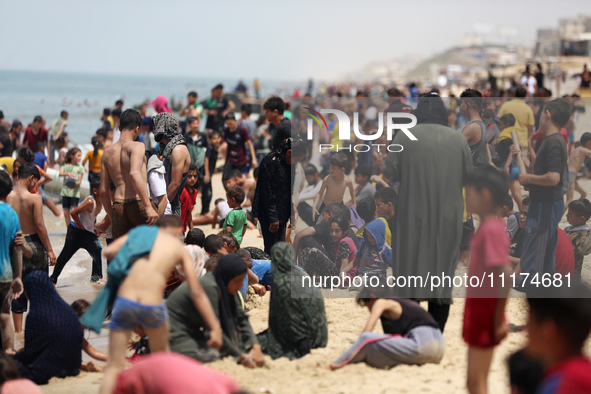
(94, 159)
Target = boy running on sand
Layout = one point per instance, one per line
(484, 323)
(141, 264)
(29, 208)
(334, 185)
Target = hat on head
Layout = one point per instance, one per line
(165, 126)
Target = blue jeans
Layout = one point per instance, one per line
(541, 237)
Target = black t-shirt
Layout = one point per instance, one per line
(413, 315)
(217, 122)
(280, 132)
(236, 141)
(551, 157)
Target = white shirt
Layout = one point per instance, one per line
(116, 134)
(529, 83)
(224, 209)
(157, 188)
(311, 191)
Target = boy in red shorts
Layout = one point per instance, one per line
(484, 323)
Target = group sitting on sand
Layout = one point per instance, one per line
(412, 213)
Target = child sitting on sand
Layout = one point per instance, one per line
(142, 262)
(374, 255)
(230, 242)
(335, 184)
(253, 278)
(80, 306)
(236, 219)
(411, 335)
(316, 263)
(484, 323)
(579, 212)
(195, 236)
(367, 210)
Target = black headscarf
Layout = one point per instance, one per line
(229, 267)
(430, 109)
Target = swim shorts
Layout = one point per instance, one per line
(39, 260)
(127, 315)
(128, 214)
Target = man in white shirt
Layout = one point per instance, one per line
(309, 193)
(529, 82)
(157, 185)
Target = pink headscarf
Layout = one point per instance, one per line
(160, 104)
(171, 373)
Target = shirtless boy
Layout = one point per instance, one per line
(575, 162)
(124, 163)
(334, 185)
(140, 300)
(29, 208)
(236, 178)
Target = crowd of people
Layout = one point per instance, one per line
(408, 213)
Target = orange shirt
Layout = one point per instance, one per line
(94, 164)
(36, 189)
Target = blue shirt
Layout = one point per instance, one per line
(262, 269)
(9, 226)
(40, 159)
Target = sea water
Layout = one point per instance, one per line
(25, 94)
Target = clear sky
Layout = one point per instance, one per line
(270, 39)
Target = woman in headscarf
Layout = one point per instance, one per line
(428, 215)
(188, 331)
(53, 334)
(297, 321)
(160, 104)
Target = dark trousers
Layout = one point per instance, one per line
(80, 239)
(439, 312)
(270, 238)
(305, 212)
(206, 194)
(541, 237)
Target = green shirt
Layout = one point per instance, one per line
(56, 126)
(237, 219)
(67, 190)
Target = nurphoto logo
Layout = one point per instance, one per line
(344, 123)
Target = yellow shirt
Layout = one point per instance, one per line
(8, 162)
(95, 161)
(524, 117)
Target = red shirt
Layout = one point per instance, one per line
(489, 248)
(570, 376)
(187, 203)
(31, 139)
(564, 255)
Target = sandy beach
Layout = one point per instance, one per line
(310, 374)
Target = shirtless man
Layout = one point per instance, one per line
(575, 162)
(124, 164)
(29, 208)
(335, 184)
(176, 157)
(140, 300)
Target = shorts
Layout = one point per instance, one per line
(44, 196)
(70, 202)
(128, 214)
(572, 180)
(93, 175)
(127, 315)
(478, 330)
(39, 260)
